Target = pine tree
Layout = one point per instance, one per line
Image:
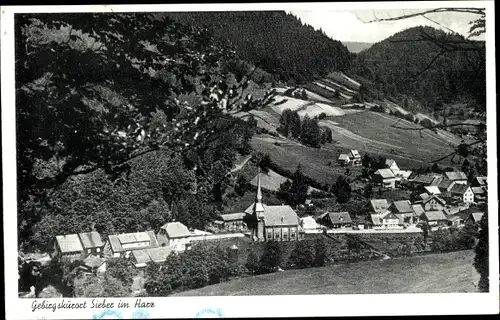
(481, 260)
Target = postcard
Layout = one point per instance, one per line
(249, 160)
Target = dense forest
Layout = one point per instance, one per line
(424, 64)
(275, 41)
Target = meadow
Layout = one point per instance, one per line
(434, 273)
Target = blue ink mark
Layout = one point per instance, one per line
(140, 314)
(209, 313)
(108, 313)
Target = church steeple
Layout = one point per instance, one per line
(258, 207)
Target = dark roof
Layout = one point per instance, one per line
(482, 180)
(456, 175)
(69, 243)
(117, 240)
(438, 199)
(435, 215)
(385, 173)
(379, 205)
(402, 206)
(445, 184)
(459, 188)
(91, 239)
(339, 217)
(232, 216)
(424, 179)
(176, 230)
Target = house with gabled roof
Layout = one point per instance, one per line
(392, 165)
(461, 193)
(404, 211)
(433, 203)
(91, 242)
(232, 222)
(175, 235)
(435, 218)
(355, 158)
(385, 220)
(336, 219)
(121, 245)
(279, 223)
(378, 206)
(456, 176)
(68, 246)
(344, 159)
(445, 185)
(385, 178)
(480, 194)
(144, 256)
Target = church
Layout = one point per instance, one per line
(266, 223)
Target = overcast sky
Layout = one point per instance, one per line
(349, 26)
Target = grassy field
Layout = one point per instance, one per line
(436, 273)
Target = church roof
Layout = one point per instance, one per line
(280, 216)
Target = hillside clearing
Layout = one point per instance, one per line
(435, 273)
(318, 108)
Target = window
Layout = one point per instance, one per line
(269, 234)
(292, 235)
(276, 234)
(89, 250)
(98, 249)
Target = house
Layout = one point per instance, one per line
(232, 222)
(418, 209)
(445, 185)
(122, 245)
(175, 235)
(437, 180)
(432, 190)
(385, 178)
(404, 211)
(422, 180)
(378, 206)
(69, 246)
(336, 219)
(479, 182)
(266, 223)
(392, 165)
(480, 194)
(455, 221)
(475, 217)
(433, 203)
(435, 218)
(344, 159)
(386, 220)
(91, 242)
(355, 158)
(157, 255)
(461, 193)
(456, 176)
(94, 264)
(308, 223)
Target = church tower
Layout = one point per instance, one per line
(258, 213)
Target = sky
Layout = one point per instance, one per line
(349, 25)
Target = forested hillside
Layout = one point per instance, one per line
(275, 41)
(414, 63)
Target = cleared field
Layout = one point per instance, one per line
(436, 273)
(375, 133)
(264, 119)
(282, 103)
(318, 108)
(269, 180)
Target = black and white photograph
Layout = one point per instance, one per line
(248, 152)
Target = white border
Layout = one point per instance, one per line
(251, 306)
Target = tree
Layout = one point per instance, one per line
(122, 269)
(271, 257)
(368, 191)
(354, 244)
(366, 160)
(342, 189)
(252, 263)
(294, 192)
(481, 259)
(320, 252)
(310, 134)
(302, 256)
(241, 185)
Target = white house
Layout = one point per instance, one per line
(175, 235)
(344, 159)
(355, 158)
(386, 220)
(385, 178)
(462, 193)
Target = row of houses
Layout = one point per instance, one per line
(142, 247)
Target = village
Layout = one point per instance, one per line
(444, 201)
